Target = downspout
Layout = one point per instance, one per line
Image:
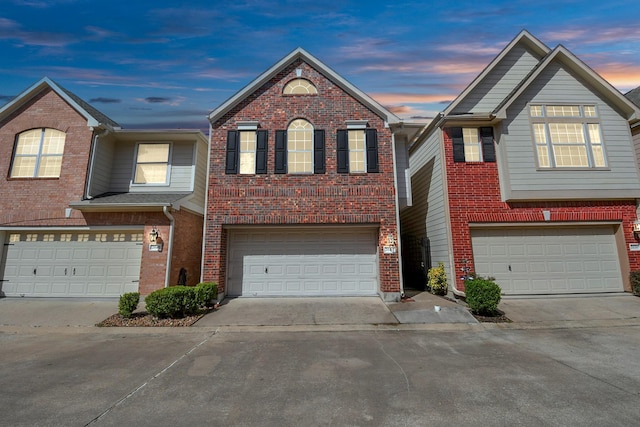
(397, 208)
(206, 204)
(94, 145)
(165, 210)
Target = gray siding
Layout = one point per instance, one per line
(427, 217)
(499, 83)
(200, 183)
(102, 165)
(402, 164)
(557, 85)
(122, 170)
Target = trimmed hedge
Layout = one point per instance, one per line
(634, 277)
(179, 301)
(128, 303)
(482, 295)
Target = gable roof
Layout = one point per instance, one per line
(524, 37)
(296, 54)
(634, 96)
(568, 59)
(94, 117)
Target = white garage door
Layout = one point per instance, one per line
(302, 262)
(549, 260)
(102, 264)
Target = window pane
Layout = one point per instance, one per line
(539, 133)
(300, 146)
(566, 133)
(150, 174)
(471, 139)
(589, 111)
(49, 166)
(29, 142)
(563, 111)
(148, 153)
(248, 163)
(594, 133)
(53, 142)
(357, 151)
(356, 140)
(356, 161)
(571, 156)
(543, 156)
(300, 87)
(23, 167)
(598, 156)
(535, 110)
(472, 153)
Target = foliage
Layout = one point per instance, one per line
(206, 294)
(483, 295)
(634, 277)
(437, 280)
(173, 302)
(128, 303)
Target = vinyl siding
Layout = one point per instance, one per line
(402, 164)
(557, 85)
(499, 83)
(200, 184)
(427, 216)
(102, 165)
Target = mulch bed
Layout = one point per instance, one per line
(498, 318)
(146, 319)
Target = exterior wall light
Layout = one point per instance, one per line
(153, 236)
(636, 229)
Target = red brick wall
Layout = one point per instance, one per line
(187, 246)
(329, 198)
(474, 197)
(33, 202)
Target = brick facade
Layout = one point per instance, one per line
(474, 197)
(286, 199)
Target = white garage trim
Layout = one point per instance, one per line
(549, 260)
(302, 261)
(89, 263)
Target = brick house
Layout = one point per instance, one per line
(306, 179)
(82, 199)
(529, 176)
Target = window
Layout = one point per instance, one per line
(246, 151)
(300, 147)
(357, 150)
(567, 136)
(473, 144)
(152, 163)
(38, 154)
(300, 87)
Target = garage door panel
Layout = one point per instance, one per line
(68, 264)
(557, 260)
(302, 262)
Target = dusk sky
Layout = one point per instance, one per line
(167, 64)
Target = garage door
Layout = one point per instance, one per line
(549, 260)
(103, 264)
(302, 262)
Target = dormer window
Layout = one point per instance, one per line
(38, 154)
(152, 163)
(300, 87)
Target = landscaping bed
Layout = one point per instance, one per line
(146, 319)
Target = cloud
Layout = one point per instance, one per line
(410, 98)
(163, 100)
(105, 100)
(12, 30)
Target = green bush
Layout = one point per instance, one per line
(206, 294)
(128, 303)
(483, 296)
(634, 277)
(173, 302)
(437, 280)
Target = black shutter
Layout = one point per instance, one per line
(233, 152)
(488, 149)
(371, 137)
(342, 140)
(281, 151)
(261, 151)
(458, 144)
(318, 151)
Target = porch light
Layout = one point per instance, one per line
(636, 229)
(153, 235)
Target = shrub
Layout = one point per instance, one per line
(206, 294)
(128, 303)
(173, 302)
(483, 296)
(634, 277)
(437, 280)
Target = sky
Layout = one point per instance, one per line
(166, 64)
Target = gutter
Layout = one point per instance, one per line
(94, 145)
(170, 245)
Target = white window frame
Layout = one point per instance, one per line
(290, 133)
(247, 155)
(584, 117)
(472, 145)
(168, 163)
(39, 156)
(299, 86)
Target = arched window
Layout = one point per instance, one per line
(300, 87)
(38, 154)
(300, 146)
